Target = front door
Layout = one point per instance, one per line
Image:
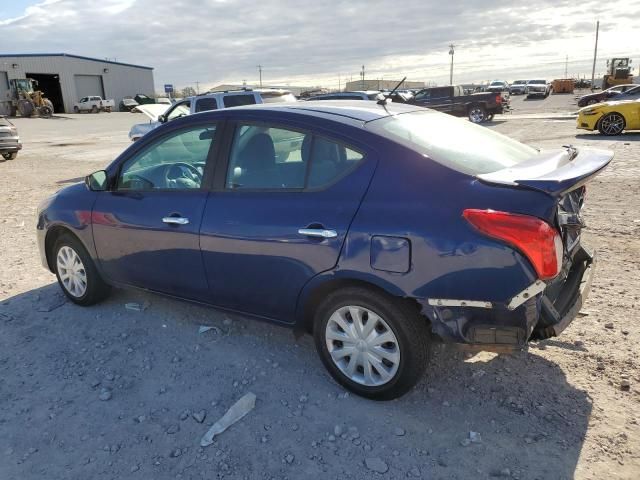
(146, 228)
(280, 217)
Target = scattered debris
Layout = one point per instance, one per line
(625, 385)
(206, 328)
(376, 464)
(475, 437)
(399, 432)
(105, 394)
(199, 416)
(137, 307)
(609, 325)
(237, 411)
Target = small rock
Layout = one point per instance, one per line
(289, 459)
(173, 429)
(135, 468)
(200, 416)
(105, 394)
(415, 471)
(184, 415)
(475, 437)
(303, 399)
(625, 385)
(376, 464)
(609, 325)
(332, 438)
(337, 430)
(466, 442)
(175, 453)
(399, 432)
(625, 332)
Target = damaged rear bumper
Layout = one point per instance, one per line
(540, 311)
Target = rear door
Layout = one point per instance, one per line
(279, 214)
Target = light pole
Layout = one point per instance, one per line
(260, 72)
(451, 52)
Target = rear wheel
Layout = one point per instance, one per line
(25, 107)
(372, 344)
(477, 114)
(10, 156)
(95, 109)
(49, 104)
(611, 124)
(76, 272)
(76, 110)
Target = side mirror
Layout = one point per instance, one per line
(97, 181)
(162, 118)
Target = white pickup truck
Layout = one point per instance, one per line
(93, 104)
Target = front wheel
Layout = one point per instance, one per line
(611, 124)
(372, 344)
(477, 114)
(76, 110)
(76, 272)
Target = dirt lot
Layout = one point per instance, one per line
(556, 411)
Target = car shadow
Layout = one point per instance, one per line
(70, 180)
(624, 137)
(148, 352)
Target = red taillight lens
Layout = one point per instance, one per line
(499, 99)
(535, 238)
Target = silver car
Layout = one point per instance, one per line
(9, 140)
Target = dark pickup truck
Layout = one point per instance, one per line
(479, 107)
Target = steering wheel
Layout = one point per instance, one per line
(182, 174)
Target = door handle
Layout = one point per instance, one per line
(318, 232)
(175, 220)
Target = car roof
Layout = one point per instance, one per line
(340, 110)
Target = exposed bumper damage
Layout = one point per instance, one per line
(540, 311)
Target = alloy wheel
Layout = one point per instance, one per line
(612, 124)
(362, 345)
(71, 271)
(476, 115)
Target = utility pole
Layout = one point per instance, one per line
(339, 85)
(362, 75)
(197, 87)
(451, 52)
(595, 56)
(566, 65)
(260, 73)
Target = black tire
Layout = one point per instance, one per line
(611, 124)
(95, 109)
(49, 104)
(490, 117)
(76, 110)
(409, 328)
(25, 107)
(10, 155)
(477, 114)
(96, 288)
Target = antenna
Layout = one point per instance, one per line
(383, 101)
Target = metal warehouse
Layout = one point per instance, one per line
(66, 78)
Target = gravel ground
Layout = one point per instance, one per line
(107, 392)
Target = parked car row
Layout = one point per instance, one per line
(619, 92)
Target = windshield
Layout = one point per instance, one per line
(438, 136)
(519, 82)
(544, 82)
(497, 83)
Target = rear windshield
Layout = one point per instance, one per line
(453, 142)
(239, 100)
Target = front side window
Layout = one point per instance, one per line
(176, 161)
(264, 157)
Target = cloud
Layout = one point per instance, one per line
(216, 41)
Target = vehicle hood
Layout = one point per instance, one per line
(152, 110)
(609, 104)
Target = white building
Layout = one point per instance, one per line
(66, 78)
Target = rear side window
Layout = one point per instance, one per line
(453, 142)
(274, 158)
(206, 104)
(238, 100)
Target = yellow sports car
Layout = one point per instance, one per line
(610, 118)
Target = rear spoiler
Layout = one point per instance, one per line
(554, 172)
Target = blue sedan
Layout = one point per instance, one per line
(376, 228)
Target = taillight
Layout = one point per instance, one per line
(499, 99)
(535, 238)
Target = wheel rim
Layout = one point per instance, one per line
(71, 271)
(362, 345)
(476, 115)
(612, 124)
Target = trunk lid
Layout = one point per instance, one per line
(555, 172)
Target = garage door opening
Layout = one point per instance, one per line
(49, 83)
(88, 85)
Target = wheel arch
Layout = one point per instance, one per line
(53, 234)
(312, 296)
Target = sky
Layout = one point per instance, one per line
(325, 42)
